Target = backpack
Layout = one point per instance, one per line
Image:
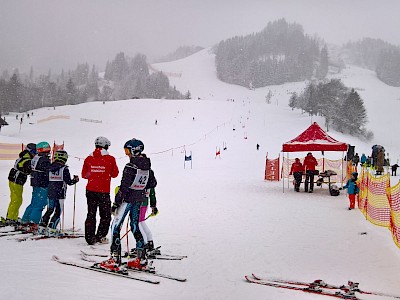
(334, 190)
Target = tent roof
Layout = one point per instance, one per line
(314, 139)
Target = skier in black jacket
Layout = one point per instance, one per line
(136, 179)
(59, 178)
(17, 178)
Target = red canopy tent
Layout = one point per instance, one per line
(314, 138)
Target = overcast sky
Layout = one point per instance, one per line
(61, 33)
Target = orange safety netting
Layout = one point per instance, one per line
(394, 202)
(10, 151)
(373, 198)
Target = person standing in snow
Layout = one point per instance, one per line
(309, 167)
(363, 159)
(16, 180)
(394, 169)
(356, 160)
(136, 179)
(297, 172)
(352, 189)
(98, 168)
(39, 181)
(59, 178)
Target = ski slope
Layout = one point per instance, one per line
(221, 213)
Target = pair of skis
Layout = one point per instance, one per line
(317, 287)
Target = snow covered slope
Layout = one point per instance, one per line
(221, 214)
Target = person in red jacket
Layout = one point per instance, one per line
(99, 167)
(309, 167)
(297, 172)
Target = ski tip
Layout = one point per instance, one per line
(55, 257)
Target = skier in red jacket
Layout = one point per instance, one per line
(309, 166)
(99, 167)
(297, 172)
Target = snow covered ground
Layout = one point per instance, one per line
(221, 214)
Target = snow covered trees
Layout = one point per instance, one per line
(342, 108)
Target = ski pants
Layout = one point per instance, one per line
(16, 200)
(102, 201)
(56, 206)
(298, 176)
(134, 211)
(352, 200)
(33, 212)
(309, 179)
(144, 229)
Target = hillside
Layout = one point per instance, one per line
(221, 214)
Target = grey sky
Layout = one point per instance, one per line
(61, 33)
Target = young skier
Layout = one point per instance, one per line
(39, 181)
(59, 178)
(352, 189)
(144, 229)
(16, 180)
(136, 179)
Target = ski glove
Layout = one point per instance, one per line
(154, 210)
(114, 208)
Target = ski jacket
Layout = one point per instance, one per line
(59, 177)
(310, 163)
(40, 170)
(22, 168)
(363, 158)
(296, 167)
(99, 167)
(136, 179)
(351, 187)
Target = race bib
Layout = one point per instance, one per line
(140, 181)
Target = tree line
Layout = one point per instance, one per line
(342, 107)
(124, 78)
(377, 55)
(280, 53)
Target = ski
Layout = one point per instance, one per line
(150, 270)
(11, 233)
(310, 289)
(150, 254)
(93, 268)
(44, 237)
(352, 286)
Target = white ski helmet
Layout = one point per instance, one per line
(102, 142)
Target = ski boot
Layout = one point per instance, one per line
(314, 288)
(111, 265)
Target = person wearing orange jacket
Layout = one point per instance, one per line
(297, 172)
(309, 163)
(99, 167)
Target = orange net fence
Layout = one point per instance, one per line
(379, 202)
(10, 151)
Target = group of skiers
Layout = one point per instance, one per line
(49, 181)
(309, 169)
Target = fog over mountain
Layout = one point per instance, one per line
(59, 34)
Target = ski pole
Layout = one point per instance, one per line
(152, 215)
(73, 214)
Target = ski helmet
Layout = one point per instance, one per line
(102, 142)
(61, 156)
(134, 147)
(31, 147)
(43, 147)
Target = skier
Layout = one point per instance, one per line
(297, 172)
(16, 180)
(356, 160)
(39, 181)
(394, 169)
(144, 229)
(352, 189)
(99, 167)
(363, 159)
(136, 179)
(59, 178)
(309, 166)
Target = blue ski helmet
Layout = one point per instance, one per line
(134, 147)
(31, 147)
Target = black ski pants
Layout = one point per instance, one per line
(103, 202)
